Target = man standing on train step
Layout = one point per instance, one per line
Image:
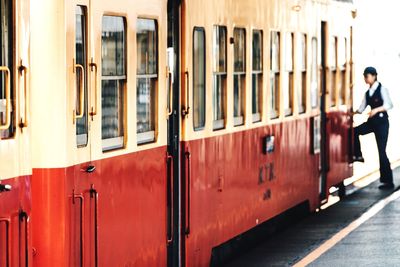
(377, 97)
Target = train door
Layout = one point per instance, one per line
(82, 85)
(15, 165)
(324, 160)
(174, 186)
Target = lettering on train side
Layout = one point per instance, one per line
(267, 194)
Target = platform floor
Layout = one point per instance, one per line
(376, 242)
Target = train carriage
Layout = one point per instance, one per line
(160, 130)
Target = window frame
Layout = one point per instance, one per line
(315, 68)
(83, 139)
(275, 74)
(302, 87)
(289, 73)
(143, 138)
(10, 132)
(219, 123)
(241, 76)
(258, 75)
(333, 68)
(118, 142)
(203, 31)
(342, 67)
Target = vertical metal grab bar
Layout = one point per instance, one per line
(82, 232)
(24, 216)
(6, 221)
(93, 68)
(94, 195)
(23, 70)
(188, 181)
(81, 111)
(170, 231)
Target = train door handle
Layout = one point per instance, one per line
(186, 109)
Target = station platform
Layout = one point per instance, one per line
(362, 229)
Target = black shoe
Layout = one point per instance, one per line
(385, 186)
(358, 158)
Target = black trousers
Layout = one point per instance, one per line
(380, 127)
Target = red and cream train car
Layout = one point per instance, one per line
(159, 130)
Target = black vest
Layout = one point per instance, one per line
(376, 101)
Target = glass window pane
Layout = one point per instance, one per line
(219, 49)
(6, 60)
(239, 50)
(314, 73)
(146, 46)
(80, 57)
(288, 89)
(112, 108)
(145, 104)
(342, 52)
(275, 51)
(333, 65)
(113, 46)
(302, 86)
(239, 77)
(219, 76)
(257, 50)
(199, 79)
(113, 81)
(147, 77)
(274, 74)
(256, 79)
(303, 52)
(332, 51)
(289, 52)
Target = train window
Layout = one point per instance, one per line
(274, 73)
(288, 89)
(314, 91)
(219, 77)
(147, 76)
(302, 87)
(342, 61)
(80, 61)
(113, 81)
(239, 75)
(333, 71)
(7, 122)
(199, 78)
(256, 77)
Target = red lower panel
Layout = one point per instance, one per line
(115, 216)
(338, 128)
(234, 186)
(15, 210)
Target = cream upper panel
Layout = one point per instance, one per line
(252, 15)
(55, 145)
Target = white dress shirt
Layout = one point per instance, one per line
(387, 102)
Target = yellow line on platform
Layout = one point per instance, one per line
(315, 254)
